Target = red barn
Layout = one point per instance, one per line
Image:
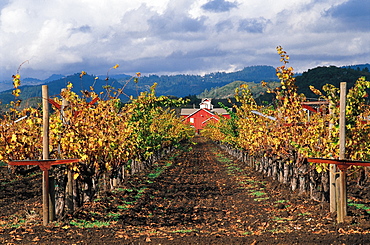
(198, 118)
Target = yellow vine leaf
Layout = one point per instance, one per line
(14, 138)
(84, 158)
(75, 175)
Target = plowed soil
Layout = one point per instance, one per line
(198, 195)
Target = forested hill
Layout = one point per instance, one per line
(171, 85)
(320, 76)
(228, 91)
(79, 84)
(184, 85)
(316, 77)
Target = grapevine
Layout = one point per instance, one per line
(294, 135)
(106, 134)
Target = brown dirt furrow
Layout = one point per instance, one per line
(201, 196)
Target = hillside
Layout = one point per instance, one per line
(174, 85)
(228, 90)
(184, 85)
(32, 94)
(214, 85)
(316, 77)
(320, 76)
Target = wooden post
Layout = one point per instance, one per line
(69, 187)
(45, 153)
(332, 176)
(342, 121)
(51, 198)
(45, 117)
(69, 192)
(341, 181)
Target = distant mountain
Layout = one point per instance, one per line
(29, 81)
(187, 85)
(171, 85)
(54, 77)
(361, 67)
(55, 87)
(184, 85)
(117, 76)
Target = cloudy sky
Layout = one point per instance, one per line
(178, 36)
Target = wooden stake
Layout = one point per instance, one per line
(332, 188)
(45, 197)
(69, 186)
(341, 183)
(51, 198)
(342, 121)
(69, 192)
(45, 153)
(45, 117)
(332, 175)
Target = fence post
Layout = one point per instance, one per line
(45, 153)
(341, 181)
(332, 176)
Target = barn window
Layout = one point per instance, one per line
(192, 120)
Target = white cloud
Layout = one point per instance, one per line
(178, 36)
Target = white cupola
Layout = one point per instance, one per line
(206, 104)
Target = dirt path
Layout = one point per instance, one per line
(198, 196)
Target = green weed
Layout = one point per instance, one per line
(14, 221)
(89, 224)
(142, 190)
(359, 206)
(155, 175)
(258, 193)
(122, 207)
(114, 216)
(282, 201)
(275, 231)
(261, 199)
(183, 231)
(224, 159)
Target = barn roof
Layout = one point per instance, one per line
(196, 110)
(187, 111)
(220, 111)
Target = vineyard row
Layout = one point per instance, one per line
(279, 137)
(112, 139)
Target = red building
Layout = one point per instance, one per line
(199, 118)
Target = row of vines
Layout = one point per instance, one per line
(276, 139)
(112, 139)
